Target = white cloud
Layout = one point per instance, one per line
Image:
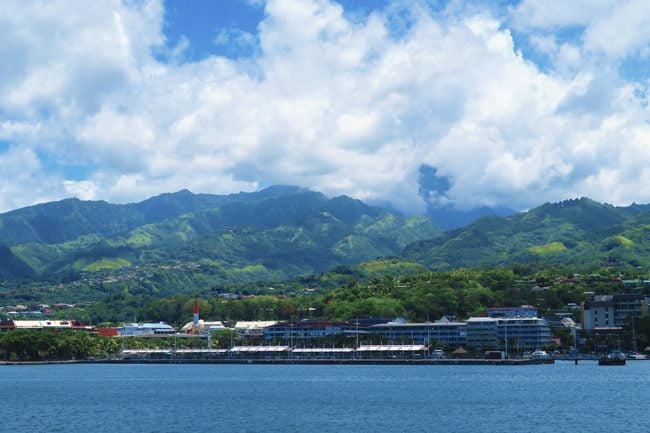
(84, 189)
(22, 182)
(340, 106)
(551, 14)
(615, 28)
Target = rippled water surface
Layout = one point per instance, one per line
(299, 398)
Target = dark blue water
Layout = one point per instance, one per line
(299, 398)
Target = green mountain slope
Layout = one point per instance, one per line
(67, 220)
(578, 232)
(275, 234)
(12, 267)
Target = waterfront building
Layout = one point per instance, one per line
(391, 351)
(482, 332)
(524, 332)
(604, 311)
(444, 331)
(259, 352)
(56, 325)
(306, 332)
(253, 329)
(323, 352)
(598, 313)
(628, 305)
(522, 311)
(131, 329)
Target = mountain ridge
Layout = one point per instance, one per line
(281, 232)
(579, 232)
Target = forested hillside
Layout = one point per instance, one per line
(274, 234)
(580, 233)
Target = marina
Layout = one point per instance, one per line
(289, 361)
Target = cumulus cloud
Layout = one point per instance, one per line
(342, 105)
(23, 182)
(83, 189)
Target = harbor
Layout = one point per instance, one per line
(299, 361)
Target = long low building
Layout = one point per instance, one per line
(306, 330)
(273, 352)
(57, 325)
(134, 329)
(444, 331)
(478, 332)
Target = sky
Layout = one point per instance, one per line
(414, 104)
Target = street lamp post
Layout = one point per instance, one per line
(506, 322)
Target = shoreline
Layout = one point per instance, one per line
(284, 361)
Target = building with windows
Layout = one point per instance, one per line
(524, 332)
(482, 332)
(598, 313)
(523, 311)
(628, 305)
(253, 329)
(306, 332)
(608, 311)
(38, 325)
(444, 331)
(130, 329)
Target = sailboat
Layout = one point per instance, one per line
(634, 355)
(615, 357)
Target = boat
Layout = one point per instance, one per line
(635, 356)
(540, 354)
(615, 357)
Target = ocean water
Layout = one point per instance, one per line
(314, 398)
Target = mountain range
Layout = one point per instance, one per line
(285, 232)
(277, 233)
(578, 233)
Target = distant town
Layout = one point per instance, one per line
(591, 328)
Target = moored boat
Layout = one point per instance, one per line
(540, 354)
(635, 356)
(614, 358)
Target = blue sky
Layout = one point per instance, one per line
(200, 22)
(415, 103)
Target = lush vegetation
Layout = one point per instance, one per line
(355, 292)
(373, 289)
(579, 233)
(272, 235)
(47, 345)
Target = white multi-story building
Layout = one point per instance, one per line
(491, 333)
(443, 331)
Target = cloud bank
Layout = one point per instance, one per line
(512, 107)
